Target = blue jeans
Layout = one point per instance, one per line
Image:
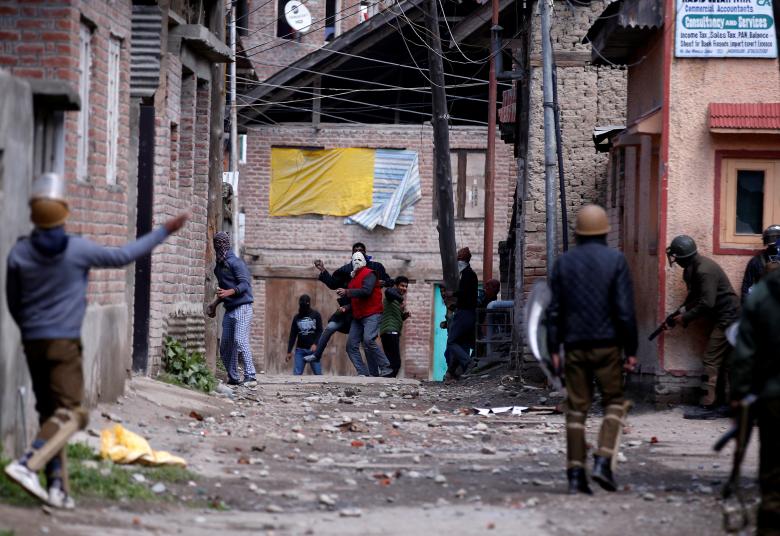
(366, 331)
(300, 364)
(332, 327)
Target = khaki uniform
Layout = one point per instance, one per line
(605, 366)
(711, 296)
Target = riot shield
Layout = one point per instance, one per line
(536, 331)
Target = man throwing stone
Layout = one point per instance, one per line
(591, 314)
(46, 291)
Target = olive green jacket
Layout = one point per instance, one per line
(710, 294)
(755, 366)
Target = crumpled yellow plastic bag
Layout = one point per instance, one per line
(123, 446)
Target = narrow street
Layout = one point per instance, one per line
(369, 456)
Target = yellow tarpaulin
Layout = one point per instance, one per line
(334, 182)
(123, 446)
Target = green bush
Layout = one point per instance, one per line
(186, 368)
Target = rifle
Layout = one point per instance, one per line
(665, 323)
(740, 432)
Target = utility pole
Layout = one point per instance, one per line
(234, 132)
(216, 154)
(490, 160)
(441, 143)
(549, 134)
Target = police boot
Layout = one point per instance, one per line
(602, 473)
(578, 481)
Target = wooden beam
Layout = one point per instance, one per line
(475, 21)
(564, 58)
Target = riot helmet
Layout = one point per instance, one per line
(682, 247)
(771, 235)
(591, 220)
(48, 205)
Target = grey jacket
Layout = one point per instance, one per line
(47, 296)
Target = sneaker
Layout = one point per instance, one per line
(235, 382)
(59, 499)
(309, 358)
(28, 479)
(250, 382)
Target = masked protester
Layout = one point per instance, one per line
(710, 296)
(365, 294)
(461, 333)
(305, 331)
(46, 290)
(755, 369)
(235, 294)
(757, 266)
(591, 313)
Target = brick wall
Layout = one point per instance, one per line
(182, 108)
(589, 96)
(269, 53)
(41, 40)
(291, 243)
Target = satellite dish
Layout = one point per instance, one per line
(297, 15)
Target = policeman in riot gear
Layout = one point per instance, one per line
(46, 290)
(757, 266)
(710, 296)
(591, 313)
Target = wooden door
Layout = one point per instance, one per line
(280, 307)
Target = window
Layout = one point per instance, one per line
(332, 22)
(49, 142)
(750, 199)
(368, 8)
(242, 148)
(468, 184)
(112, 109)
(82, 133)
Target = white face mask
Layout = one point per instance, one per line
(358, 261)
(462, 265)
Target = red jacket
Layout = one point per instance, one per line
(365, 307)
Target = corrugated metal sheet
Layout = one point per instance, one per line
(396, 189)
(145, 50)
(506, 113)
(622, 28)
(761, 116)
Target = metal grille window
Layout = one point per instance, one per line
(82, 133)
(112, 119)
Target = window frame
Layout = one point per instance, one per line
(85, 80)
(725, 242)
(459, 184)
(113, 108)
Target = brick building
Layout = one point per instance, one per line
(281, 250)
(121, 107)
(300, 83)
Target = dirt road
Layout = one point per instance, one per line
(372, 456)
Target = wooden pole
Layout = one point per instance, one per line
(214, 208)
(490, 163)
(441, 143)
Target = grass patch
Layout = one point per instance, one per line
(92, 478)
(6, 532)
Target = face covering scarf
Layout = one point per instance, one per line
(221, 245)
(462, 265)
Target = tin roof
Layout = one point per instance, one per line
(622, 28)
(754, 116)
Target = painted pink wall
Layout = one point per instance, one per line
(694, 84)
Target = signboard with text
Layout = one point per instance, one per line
(725, 29)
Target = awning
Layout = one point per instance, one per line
(602, 137)
(758, 118)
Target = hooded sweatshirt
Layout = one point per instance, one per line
(47, 294)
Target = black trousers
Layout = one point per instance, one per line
(391, 343)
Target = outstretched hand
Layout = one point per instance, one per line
(174, 224)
